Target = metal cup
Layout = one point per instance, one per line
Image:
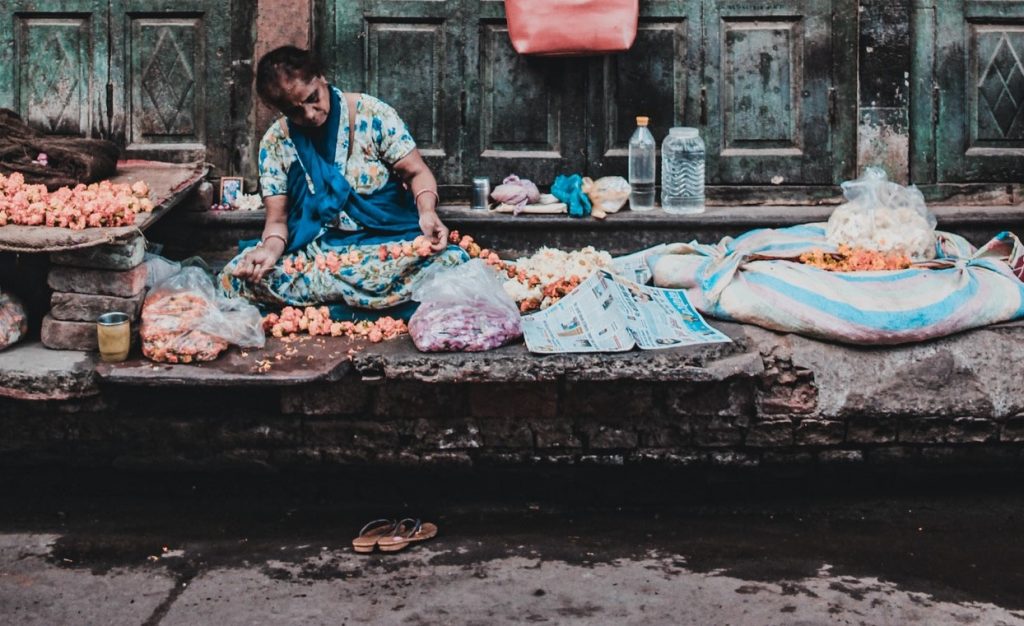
(113, 332)
(481, 193)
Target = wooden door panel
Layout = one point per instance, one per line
(769, 87)
(171, 87)
(654, 78)
(415, 91)
(53, 68)
(166, 76)
(761, 77)
(405, 52)
(980, 129)
(524, 115)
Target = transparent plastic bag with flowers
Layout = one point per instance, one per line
(184, 320)
(883, 216)
(463, 309)
(13, 321)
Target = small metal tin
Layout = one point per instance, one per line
(481, 193)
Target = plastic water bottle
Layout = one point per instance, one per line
(641, 167)
(682, 172)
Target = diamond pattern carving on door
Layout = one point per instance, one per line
(1001, 89)
(167, 57)
(168, 82)
(52, 75)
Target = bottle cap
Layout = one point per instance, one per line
(642, 120)
(685, 132)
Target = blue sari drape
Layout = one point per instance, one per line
(386, 214)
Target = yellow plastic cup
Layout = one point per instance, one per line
(113, 331)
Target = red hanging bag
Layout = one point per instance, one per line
(572, 27)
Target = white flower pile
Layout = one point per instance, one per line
(550, 265)
(884, 217)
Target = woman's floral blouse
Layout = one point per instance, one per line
(381, 140)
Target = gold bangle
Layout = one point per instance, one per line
(416, 198)
(271, 236)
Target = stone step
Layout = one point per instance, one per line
(215, 235)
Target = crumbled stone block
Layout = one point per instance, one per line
(80, 307)
(604, 437)
(812, 432)
(891, 455)
(505, 433)
(924, 429)
(786, 457)
(123, 255)
(840, 456)
(608, 399)
(789, 393)
(447, 459)
(406, 399)
(871, 429)
(719, 431)
(972, 430)
(348, 396)
(732, 458)
(1013, 429)
(726, 399)
(461, 436)
(513, 400)
(99, 282)
(60, 335)
(607, 460)
(663, 433)
(770, 433)
(263, 433)
(554, 434)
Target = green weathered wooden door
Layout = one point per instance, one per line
(170, 70)
(759, 78)
(153, 75)
(409, 55)
(772, 104)
(980, 124)
(659, 77)
(53, 64)
(524, 115)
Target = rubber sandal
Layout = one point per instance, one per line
(407, 531)
(372, 533)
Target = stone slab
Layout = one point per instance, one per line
(60, 335)
(29, 371)
(297, 362)
(169, 184)
(400, 360)
(98, 282)
(80, 307)
(122, 255)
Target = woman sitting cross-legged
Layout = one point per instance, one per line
(340, 175)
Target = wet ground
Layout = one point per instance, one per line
(145, 549)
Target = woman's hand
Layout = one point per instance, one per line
(434, 229)
(258, 261)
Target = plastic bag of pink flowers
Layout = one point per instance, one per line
(464, 309)
(13, 321)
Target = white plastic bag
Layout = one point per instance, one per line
(883, 216)
(159, 269)
(609, 193)
(463, 309)
(184, 320)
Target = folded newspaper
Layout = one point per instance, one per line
(609, 313)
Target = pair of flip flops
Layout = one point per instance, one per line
(392, 536)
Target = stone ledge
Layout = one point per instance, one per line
(215, 235)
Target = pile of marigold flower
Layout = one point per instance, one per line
(849, 259)
(317, 321)
(103, 204)
(539, 281)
